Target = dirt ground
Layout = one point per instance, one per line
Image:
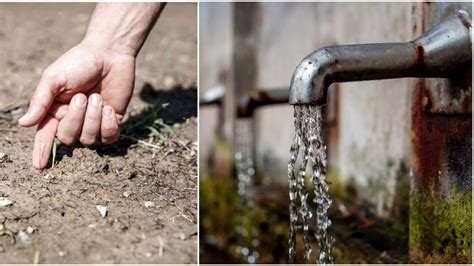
(54, 215)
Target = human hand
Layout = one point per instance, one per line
(82, 95)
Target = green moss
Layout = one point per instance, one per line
(221, 212)
(440, 227)
(218, 200)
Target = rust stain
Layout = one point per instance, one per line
(427, 148)
(420, 57)
(436, 140)
(258, 97)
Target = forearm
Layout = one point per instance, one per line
(122, 27)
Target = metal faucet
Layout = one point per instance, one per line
(438, 53)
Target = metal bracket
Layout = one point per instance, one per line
(446, 96)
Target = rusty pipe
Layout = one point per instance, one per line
(247, 104)
(438, 53)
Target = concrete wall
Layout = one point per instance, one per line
(374, 117)
(215, 55)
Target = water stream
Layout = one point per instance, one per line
(308, 142)
(245, 170)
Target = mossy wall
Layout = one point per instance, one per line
(441, 228)
(441, 184)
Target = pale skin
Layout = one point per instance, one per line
(84, 94)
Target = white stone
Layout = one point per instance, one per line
(148, 204)
(102, 210)
(30, 230)
(4, 202)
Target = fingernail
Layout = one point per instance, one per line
(95, 99)
(80, 101)
(108, 111)
(23, 118)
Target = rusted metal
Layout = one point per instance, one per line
(248, 104)
(442, 146)
(261, 97)
(441, 52)
(448, 96)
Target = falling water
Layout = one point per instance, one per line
(245, 172)
(309, 142)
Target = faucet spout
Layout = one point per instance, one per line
(439, 52)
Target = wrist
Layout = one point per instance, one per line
(110, 43)
(122, 27)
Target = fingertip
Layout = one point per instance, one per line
(37, 164)
(95, 99)
(80, 100)
(109, 130)
(23, 120)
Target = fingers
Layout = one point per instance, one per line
(109, 128)
(58, 110)
(91, 128)
(40, 103)
(70, 126)
(44, 142)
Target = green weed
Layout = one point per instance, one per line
(147, 123)
(6, 232)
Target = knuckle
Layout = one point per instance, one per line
(110, 129)
(65, 139)
(87, 140)
(53, 77)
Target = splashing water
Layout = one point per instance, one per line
(245, 172)
(309, 142)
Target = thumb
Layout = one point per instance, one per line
(39, 104)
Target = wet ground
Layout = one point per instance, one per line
(150, 191)
(360, 237)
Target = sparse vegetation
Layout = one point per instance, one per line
(148, 123)
(6, 232)
(54, 151)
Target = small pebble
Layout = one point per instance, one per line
(3, 157)
(180, 236)
(4, 202)
(161, 246)
(102, 210)
(148, 204)
(30, 230)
